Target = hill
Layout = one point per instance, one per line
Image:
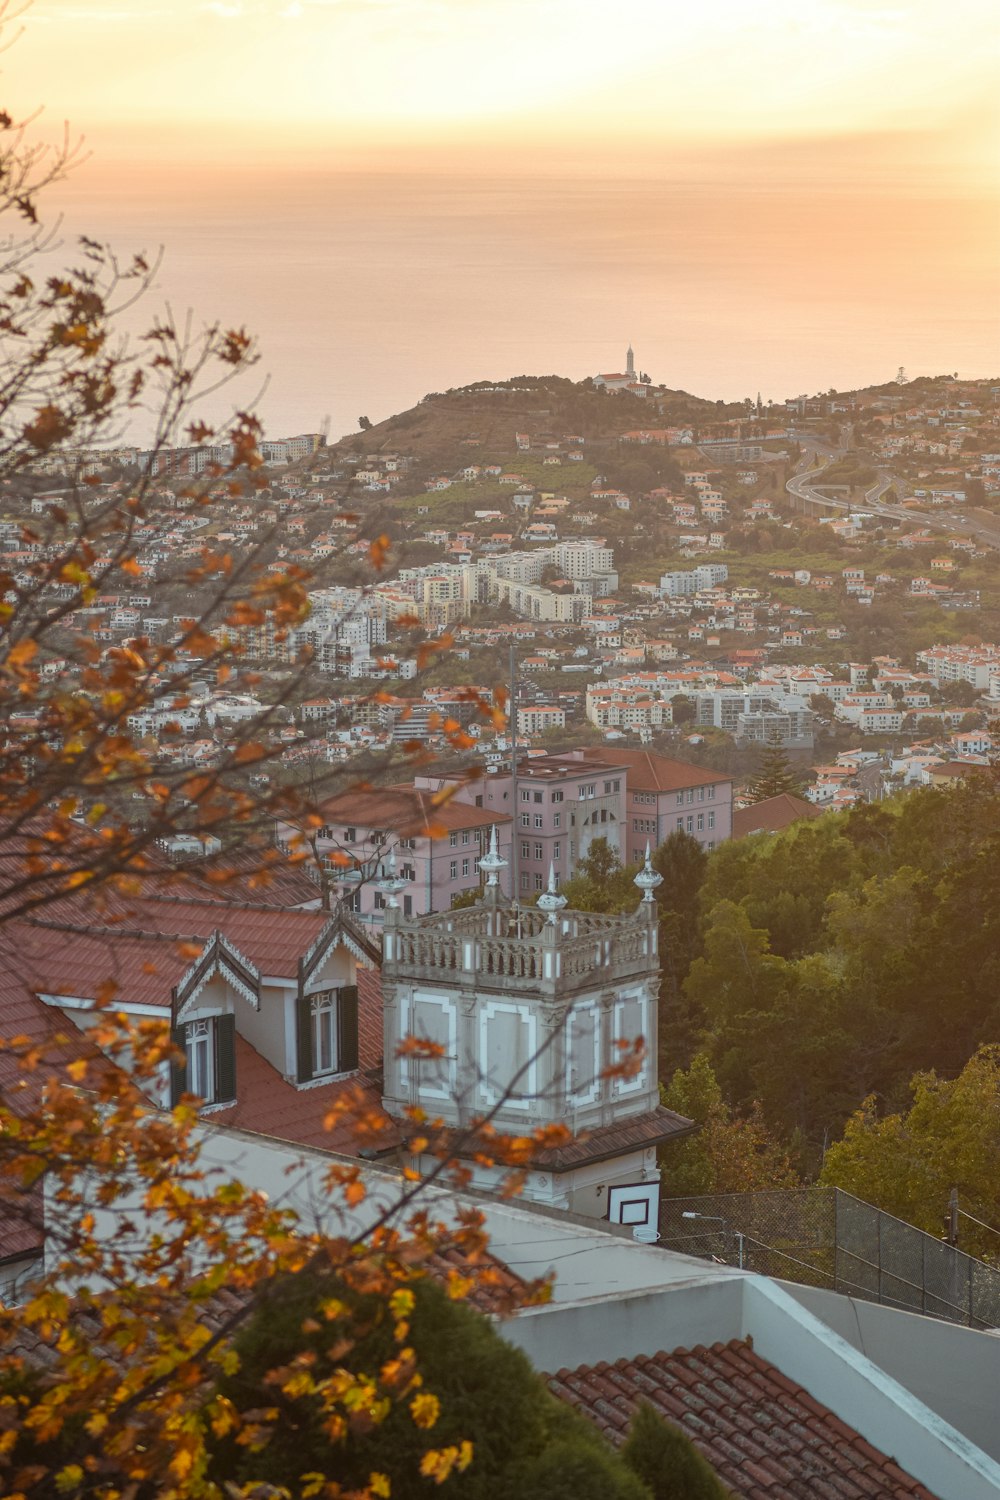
(481, 419)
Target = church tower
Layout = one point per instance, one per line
(630, 363)
(533, 1007)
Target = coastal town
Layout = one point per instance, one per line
(499, 872)
(657, 596)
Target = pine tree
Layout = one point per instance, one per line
(774, 774)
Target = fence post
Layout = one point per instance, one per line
(836, 1239)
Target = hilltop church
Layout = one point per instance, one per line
(627, 380)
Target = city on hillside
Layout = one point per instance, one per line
(667, 587)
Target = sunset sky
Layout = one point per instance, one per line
(322, 72)
(838, 158)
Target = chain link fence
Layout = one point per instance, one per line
(825, 1237)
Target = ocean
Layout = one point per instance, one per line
(368, 287)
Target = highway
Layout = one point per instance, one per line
(801, 486)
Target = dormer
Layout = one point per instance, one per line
(205, 1010)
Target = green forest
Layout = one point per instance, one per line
(830, 1002)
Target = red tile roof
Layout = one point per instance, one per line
(140, 942)
(269, 1105)
(652, 1129)
(772, 814)
(765, 1436)
(649, 772)
(264, 876)
(369, 1018)
(408, 811)
(55, 960)
(59, 1042)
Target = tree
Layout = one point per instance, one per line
(774, 774)
(667, 1462)
(365, 424)
(601, 882)
(731, 1153)
(109, 1365)
(822, 704)
(959, 694)
(908, 1163)
(455, 1376)
(683, 863)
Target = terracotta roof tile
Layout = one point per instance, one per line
(138, 942)
(370, 1033)
(765, 1436)
(649, 772)
(267, 1104)
(773, 813)
(660, 1124)
(408, 811)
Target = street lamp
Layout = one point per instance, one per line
(688, 1213)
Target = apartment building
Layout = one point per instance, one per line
(665, 796)
(563, 803)
(627, 797)
(540, 717)
(790, 725)
(721, 708)
(705, 576)
(972, 664)
(437, 847)
(532, 602)
(630, 709)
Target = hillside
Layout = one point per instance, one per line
(480, 420)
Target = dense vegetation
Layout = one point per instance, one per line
(473, 1389)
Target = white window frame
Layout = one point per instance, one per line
(323, 1029)
(199, 1053)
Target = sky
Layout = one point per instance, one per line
(243, 129)
(356, 73)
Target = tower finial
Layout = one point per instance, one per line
(390, 884)
(648, 879)
(551, 902)
(492, 862)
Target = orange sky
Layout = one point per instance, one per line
(344, 75)
(403, 195)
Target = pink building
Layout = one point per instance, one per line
(437, 847)
(628, 797)
(564, 803)
(664, 796)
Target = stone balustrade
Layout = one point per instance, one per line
(506, 948)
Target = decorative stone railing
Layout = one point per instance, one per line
(482, 945)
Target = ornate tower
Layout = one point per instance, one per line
(532, 1006)
(630, 363)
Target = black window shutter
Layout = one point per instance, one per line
(225, 1059)
(178, 1070)
(303, 1039)
(347, 1028)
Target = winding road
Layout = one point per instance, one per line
(806, 475)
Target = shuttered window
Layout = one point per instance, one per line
(327, 1033)
(323, 1018)
(209, 1066)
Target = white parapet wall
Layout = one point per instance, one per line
(954, 1370)
(723, 1304)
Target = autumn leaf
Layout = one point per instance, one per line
(425, 1409)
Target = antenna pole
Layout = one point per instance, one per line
(515, 848)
